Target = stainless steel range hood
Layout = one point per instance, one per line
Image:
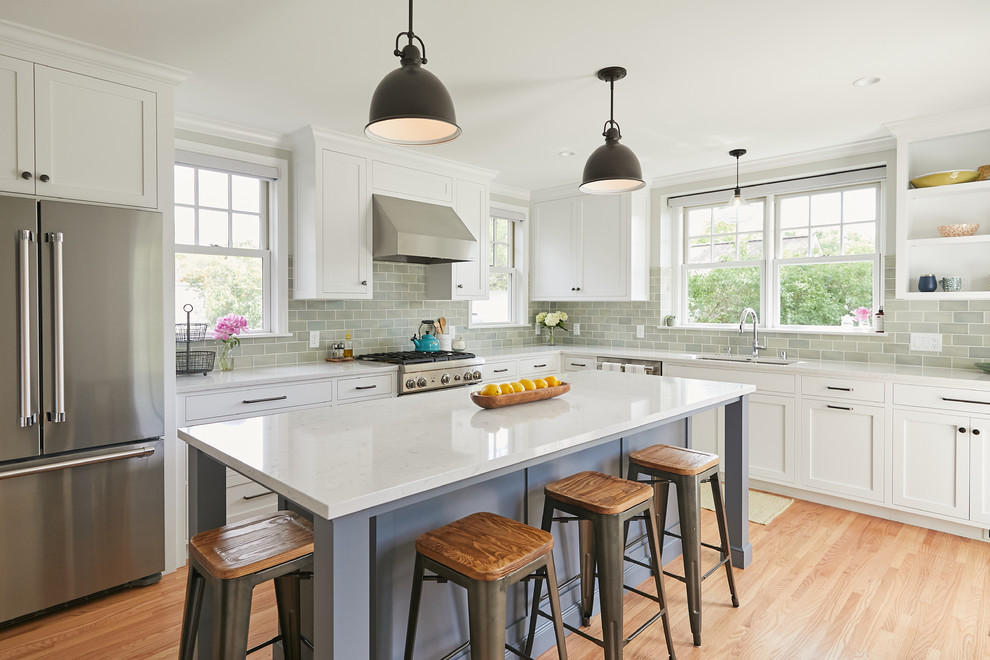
(419, 233)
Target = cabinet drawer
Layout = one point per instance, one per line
(540, 365)
(848, 389)
(944, 398)
(256, 400)
(390, 178)
(249, 499)
(500, 372)
(577, 362)
(764, 382)
(365, 387)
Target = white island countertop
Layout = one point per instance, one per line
(336, 461)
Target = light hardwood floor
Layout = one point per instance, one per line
(825, 583)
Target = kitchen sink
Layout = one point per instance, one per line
(748, 358)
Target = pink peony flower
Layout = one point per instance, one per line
(861, 314)
(229, 327)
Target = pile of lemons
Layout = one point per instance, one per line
(524, 385)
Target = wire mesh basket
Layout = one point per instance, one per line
(190, 331)
(194, 362)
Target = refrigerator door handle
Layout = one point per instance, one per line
(24, 239)
(139, 452)
(58, 329)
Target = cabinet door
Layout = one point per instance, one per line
(931, 453)
(843, 448)
(771, 437)
(553, 266)
(16, 125)
(604, 245)
(470, 279)
(95, 140)
(345, 227)
(979, 474)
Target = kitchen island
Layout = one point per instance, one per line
(374, 475)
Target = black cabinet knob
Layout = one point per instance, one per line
(962, 429)
(44, 178)
(364, 282)
(26, 176)
(460, 286)
(976, 431)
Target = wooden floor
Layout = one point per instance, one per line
(825, 583)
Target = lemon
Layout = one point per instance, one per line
(490, 390)
(506, 388)
(540, 383)
(527, 384)
(552, 381)
(518, 387)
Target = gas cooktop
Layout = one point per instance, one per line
(416, 357)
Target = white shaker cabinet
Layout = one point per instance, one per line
(931, 454)
(590, 247)
(842, 446)
(71, 136)
(333, 223)
(466, 280)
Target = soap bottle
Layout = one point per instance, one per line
(348, 345)
(878, 321)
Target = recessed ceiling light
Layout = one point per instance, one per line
(565, 153)
(866, 81)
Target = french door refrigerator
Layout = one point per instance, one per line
(81, 401)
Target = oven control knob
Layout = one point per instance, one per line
(421, 382)
(457, 377)
(477, 375)
(411, 383)
(467, 376)
(445, 379)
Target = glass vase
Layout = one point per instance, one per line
(551, 341)
(226, 360)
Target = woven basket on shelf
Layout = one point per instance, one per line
(983, 173)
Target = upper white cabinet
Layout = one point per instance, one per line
(591, 247)
(71, 136)
(466, 280)
(333, 222)
(954, 141)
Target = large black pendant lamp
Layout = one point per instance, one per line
(411, 105)
(612, 167)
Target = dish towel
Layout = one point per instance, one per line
(611, 366)
(635, 369)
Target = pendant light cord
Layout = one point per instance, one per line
(410, 35)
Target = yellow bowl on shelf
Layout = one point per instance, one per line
(944, 178)
(964, 229)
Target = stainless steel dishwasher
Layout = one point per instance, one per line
(629, 365)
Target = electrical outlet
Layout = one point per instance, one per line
(576, 329)
(314, 338)
(926, 342)
(640, 331)
(537, 327)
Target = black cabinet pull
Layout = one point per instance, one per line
(499, 371)
(838, 407)
(26, 176)
(271, 398)
(364, 282)
(538, 366)
(976, 431)
(579, 364)
(365, 387)
(44, 178)
(982, 403)
(962, 429)
(841, 389)
(460, 286)
(254, 497)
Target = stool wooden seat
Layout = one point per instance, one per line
(484, 553)
(687, 469)
(603, 505)
(233, 559)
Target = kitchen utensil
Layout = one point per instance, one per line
(927, 283)
(962, 229)
(983, 366)
(951, 283)
(944, 178)
(443, 325)
(503, 400)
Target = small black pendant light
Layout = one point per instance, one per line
(612, 167)
(410, 104)
(737, 198)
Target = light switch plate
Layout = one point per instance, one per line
(926, 342)
(314, 338)
(640, 331)
(577, 329)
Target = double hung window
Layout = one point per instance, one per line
(507, 298)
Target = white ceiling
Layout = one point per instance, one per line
(772, 76)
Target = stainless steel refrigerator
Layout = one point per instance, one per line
(82, 401)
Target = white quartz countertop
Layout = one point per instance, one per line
(339, 460)
(217, 380)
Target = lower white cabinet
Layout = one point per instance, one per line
(500, 371)
(979, 470)
(931, 454)
(771, 437)
(576, 362)
(842, 445)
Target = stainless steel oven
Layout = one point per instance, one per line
(425, 371)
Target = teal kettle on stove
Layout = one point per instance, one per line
(427, 341)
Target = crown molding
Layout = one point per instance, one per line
(509, 191)
(230, 131)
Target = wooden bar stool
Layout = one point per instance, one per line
(603, 505)
(485, 553)
(687, 469)
(233, 559)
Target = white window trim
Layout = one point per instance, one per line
(277, 289)
(520, 278)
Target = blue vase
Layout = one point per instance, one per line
(927, 283)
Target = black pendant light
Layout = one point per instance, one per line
(737, 198)
(410, 104)
(612, 167)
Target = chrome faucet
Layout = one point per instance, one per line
(756, 333)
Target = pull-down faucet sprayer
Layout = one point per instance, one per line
(756, 336)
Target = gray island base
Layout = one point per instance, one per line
(375, 475)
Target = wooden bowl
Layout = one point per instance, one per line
(503, 400)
